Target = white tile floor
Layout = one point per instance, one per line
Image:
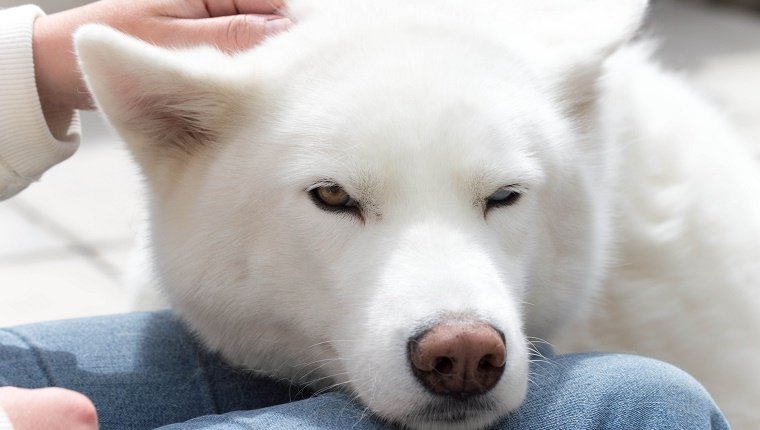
(66, 240)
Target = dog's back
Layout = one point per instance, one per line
(684, 285)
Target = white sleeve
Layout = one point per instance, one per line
(29, 145)
(5, 423)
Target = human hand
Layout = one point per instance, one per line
(230, 25)
(48, 409)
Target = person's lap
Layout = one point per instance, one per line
(583, 391)
(144, 370)
(141, 370)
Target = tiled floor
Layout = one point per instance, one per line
(66, 241)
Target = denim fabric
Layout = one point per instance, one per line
(570, 392)
(144, 371)
(141, 370)
(613, 391)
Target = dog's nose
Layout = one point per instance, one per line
(460, 359)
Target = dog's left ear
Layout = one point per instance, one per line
(576, 37)
(166, 104)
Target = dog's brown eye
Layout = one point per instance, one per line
(334, 198)
(505, 196)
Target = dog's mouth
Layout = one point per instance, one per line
(453, 411)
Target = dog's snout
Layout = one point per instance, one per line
(460, 359)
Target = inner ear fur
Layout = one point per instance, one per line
(179, 124)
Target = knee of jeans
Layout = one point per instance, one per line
(651, 378)
(652, 387)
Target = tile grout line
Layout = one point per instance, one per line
(73, 243)
(57, 252)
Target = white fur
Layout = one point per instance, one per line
(684, 285)
(421, 110)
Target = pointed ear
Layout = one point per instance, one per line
(578, 37)
(167, 104)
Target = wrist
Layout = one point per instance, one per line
(59, 83)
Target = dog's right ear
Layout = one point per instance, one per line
(167, 104)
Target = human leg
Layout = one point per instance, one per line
(144, 371)
(579, 392)
(613, 391)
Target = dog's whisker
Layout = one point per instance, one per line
(315, 369)
(328, 342)
(334, 386)
(315, 380)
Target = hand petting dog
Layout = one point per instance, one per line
(231, 25)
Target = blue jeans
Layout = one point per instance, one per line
(144, 371)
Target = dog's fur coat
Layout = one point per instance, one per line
(637, 226)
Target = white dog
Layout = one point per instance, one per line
(395, 190)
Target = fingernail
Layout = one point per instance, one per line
(277, 25)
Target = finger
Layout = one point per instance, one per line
(229, 33)
(48, 408)
(234, 7)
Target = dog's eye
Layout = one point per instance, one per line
(333, 197)
(505, 196)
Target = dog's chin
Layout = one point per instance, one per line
(453, 414)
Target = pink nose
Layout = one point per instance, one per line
(461, 358)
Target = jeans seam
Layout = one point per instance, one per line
(36, 351)
(202, 366)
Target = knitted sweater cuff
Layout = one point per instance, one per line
(29, 144)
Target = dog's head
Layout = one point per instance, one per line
(385, 199)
